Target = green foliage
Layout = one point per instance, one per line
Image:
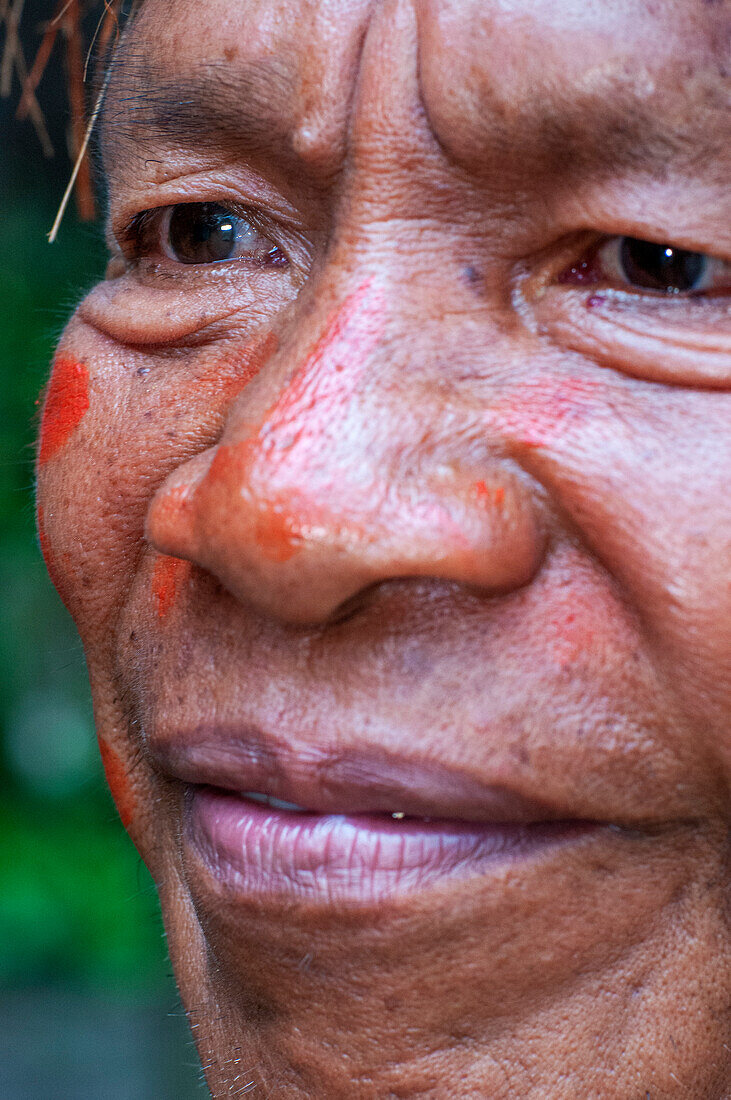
(76, 904)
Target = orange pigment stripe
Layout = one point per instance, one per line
(168, 577)
(278, 534)
(118, 783)
(66, 403)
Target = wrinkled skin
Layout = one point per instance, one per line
(429, 497)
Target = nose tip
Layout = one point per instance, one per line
(297, 512)
(298, 556)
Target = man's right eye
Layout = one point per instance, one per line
(201, 233)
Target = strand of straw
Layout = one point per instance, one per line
(79, 158)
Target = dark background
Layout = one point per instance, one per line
(88, 1007)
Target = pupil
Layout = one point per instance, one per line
(201, 233)
(660, 267)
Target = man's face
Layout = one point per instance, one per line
(386, 474)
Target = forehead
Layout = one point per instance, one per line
(495, 73)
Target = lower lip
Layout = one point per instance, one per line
(257, 851)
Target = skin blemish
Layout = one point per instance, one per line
(595, 300)
(168, 577)
(66, 403)
(472, 277)
(118, 783)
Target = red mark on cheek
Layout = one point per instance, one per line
(168, 577)
(225, 380)
(545, 411)
(66, 403)
(118, 783)
(578, 623)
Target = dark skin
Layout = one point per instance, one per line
(431, 470)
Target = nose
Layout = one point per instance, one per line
(342, 484)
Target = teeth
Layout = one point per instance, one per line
(275, 803)
(280, 804)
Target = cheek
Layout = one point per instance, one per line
(57, 574)
(545, 412)
(118, 782)
(66, 404)
(216, 385)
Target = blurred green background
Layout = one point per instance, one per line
(88, 1008)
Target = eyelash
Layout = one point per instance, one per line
(149, 232)
(604, 261)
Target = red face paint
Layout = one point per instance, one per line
(544, 410)
(301, 431)
(332, 368)
(66, 403)
(171, 506)
(490, 496)
(168, 577)
(298, 431)
(278, 534)
(118, 783)
(226, 379)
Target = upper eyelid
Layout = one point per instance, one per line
(610, 238)
(130, 235)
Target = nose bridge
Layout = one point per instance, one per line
(299, 440)
(294, 472)
(337, 486)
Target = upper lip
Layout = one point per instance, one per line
(336, 780)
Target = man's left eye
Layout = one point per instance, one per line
(201, 233)
(635, 264)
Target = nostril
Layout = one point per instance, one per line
(170, 523)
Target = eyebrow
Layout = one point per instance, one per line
(245, 107)
(251, 107)
(618, 131)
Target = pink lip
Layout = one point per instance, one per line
(346, 845)
(344, 780)
(359, 859)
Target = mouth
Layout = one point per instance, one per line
(351, 828)
(257, 845)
